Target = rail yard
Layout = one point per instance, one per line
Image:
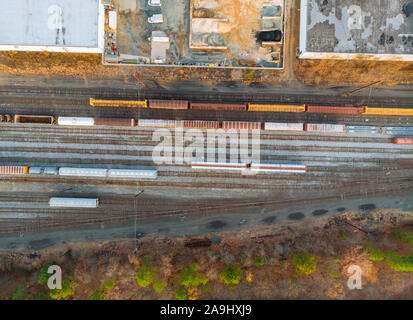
(204, 149)
(344, 156)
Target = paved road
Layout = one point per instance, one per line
(202, 224)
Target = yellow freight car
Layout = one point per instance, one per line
(119, 103)
(276, 107)
(389, 111)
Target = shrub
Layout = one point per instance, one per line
(259, 260)
(44, 276)
(190, 277)
(404, 236)
(250, 75)
(159, 285)
(231, 275)
(180, 294)
(66, 291)
(21, 294)
(109, 285)
(304, 264)
(399, 262)
(376, 254)
(145, 276)
(98, 294)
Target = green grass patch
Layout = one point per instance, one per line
(44, 276)
(21, 293)
(343, 235)
(98, 294)
(180, 294)
(259, 260)
(304, 264)
(250, 75)
(159, 285)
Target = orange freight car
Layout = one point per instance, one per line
(15, 170)
(168, 104)
(403, 140)
(338, 110)
(218, 106)
(200, 124)
(239, 125)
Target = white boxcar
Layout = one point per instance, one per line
(128, 173)
(75, 121)
(74, 202)
(83, 172)
(43, 170)
(278, 126)
(218, 166)
(279, 168)
(157, 123)
(325, 127)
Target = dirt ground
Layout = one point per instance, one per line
(266, 256)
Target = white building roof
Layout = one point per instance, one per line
(54, 25)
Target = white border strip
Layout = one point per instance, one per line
(303, 26)
(361, 56)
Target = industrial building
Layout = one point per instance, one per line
(52, 25)
(348, 29)
(208, 33)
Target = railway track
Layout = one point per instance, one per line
(215, 96)
(133, 136)
(17, 226)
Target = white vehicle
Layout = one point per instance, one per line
(43, 170)
(112, 20)
(156, 18)
(75, 121)
(74, 202)
(128, 173)
(154, 3)
(83, 172)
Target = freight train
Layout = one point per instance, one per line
(79, 172)
(250, 167)
(184, 104)
(206, 124)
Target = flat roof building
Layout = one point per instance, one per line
(52, 25)
(347, 29)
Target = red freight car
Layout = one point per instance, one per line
(115, 122)
(339, 110)
(403, 140)
(200, 124)
(241, 125)
(218, 106)
(168, 104)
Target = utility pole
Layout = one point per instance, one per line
(136, 213)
